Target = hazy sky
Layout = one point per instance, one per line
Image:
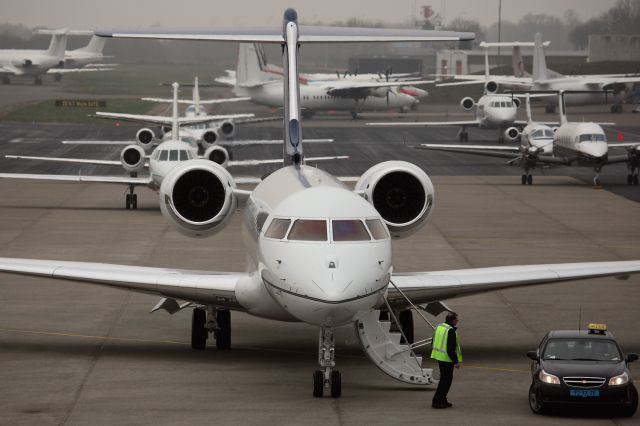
(92, 14)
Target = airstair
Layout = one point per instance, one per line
(390, 350)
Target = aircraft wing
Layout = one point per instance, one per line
(496, 151)
(279, 160)
(425, 287)
(167, 120)
(121, 180)
(623, 144)
(85, 142)
(466, 123)
(505, 80)
(215, 288)
(76, 70)
(202, 102)
(350, 89)
(269, 142)
(257, 120)
(9, 69)
(67, 160)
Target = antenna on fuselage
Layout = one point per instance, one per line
(175, 126)
(292, 152)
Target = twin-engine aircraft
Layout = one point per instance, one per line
(581, 144)
(320, 252)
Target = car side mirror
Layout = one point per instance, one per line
(632, 357)
(534, 355)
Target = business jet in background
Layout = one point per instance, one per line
(319, 252)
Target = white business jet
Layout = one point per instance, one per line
(320, 252)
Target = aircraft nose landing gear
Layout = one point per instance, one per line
(327, 376)
(596, 179)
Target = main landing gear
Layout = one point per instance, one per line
(132, 199)
(463, 136)
(527, 178)
(596, 179)
(632, 177)
(327, 376)
(217, 322)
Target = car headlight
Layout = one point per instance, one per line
(547, 378)
(622, 379)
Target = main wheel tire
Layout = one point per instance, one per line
(406, 322)
(223, 333)
(535, 402)
(530, 179)
(524, 179)
(134, 201)
(336, 384)
(318, 383)
(198, 332)
(635, 179)
(128, 201)
(630, 410)
(466, 137)
(629, 180)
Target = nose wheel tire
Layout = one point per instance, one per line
(530, 179)
(131, 201)
(198, 331)
(336, 384)
(535, 401)
(318, 383)
(463, 137)
(632, 179)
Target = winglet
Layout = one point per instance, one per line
(175, 128)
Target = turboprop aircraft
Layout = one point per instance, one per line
(586, 89)
(571, 144)
(159, 164)
(320, 252)
(337, 95)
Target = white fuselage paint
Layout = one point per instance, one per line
(314, 98)
(537, 137)
(41, 61)
(491, 116)
(317, 282)
(570, 141)
(159, 169)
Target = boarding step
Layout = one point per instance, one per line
(384, 349)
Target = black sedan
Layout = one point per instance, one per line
(582, 367)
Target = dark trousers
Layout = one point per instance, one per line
(446, 377)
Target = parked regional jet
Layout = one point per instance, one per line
(88, 56)
(572, 143)
(252, 80)
(320, 253)
(164, 158)
(32, 62)
(588, 88)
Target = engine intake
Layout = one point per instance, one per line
(145, 138)
(210, 137)
(491, 87)
(217, 154)
(197, 198)
(132, 158)
(467, 103)
(401, 192)
(228, 129)
(512, 133)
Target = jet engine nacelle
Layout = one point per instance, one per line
(227, 129)
(210, 137)
(467, 103)
(401, 192)
(132, 158)
(145, 138)
(512, 134)
(491, 87)
(27, 63)
(197, 198)
(217, 154)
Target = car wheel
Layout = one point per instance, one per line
(535, 400)
(630, 410)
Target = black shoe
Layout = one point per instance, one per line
(438, 406)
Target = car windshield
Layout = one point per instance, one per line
(581, 350)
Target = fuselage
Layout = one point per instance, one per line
(574, 84)
(496, 112)
(314, 97)
(321, 252)
(166, 157)
(538, 138)
(584, 142)
(29, 62)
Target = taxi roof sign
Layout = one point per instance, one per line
(597, 328)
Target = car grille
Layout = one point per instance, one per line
(584, 382)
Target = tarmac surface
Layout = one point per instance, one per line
(80, 354)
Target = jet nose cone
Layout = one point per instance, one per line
(596, 150)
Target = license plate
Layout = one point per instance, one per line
(584, 393)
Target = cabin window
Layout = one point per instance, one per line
(308, 230)
(164, 154)
(349, 230)
(377, 229)
(278, 228)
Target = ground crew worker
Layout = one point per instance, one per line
(446, 350)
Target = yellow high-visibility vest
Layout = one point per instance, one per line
(439, 344)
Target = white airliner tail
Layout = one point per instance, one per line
(539, 71)
(58, 44)
(249, 71)
(96, 45)
(196, 95)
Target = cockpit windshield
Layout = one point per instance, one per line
(581, 350)
(542, 134)
(173, 155)
(592, 137)
(349, 230)
(308, 230)
(342, 230)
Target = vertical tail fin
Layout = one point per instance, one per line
(539, 60)
(249, 69)
(517, 63)
(196, 95)
(96, 45)
(562, 108)
(175, 125)
(58, 44)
